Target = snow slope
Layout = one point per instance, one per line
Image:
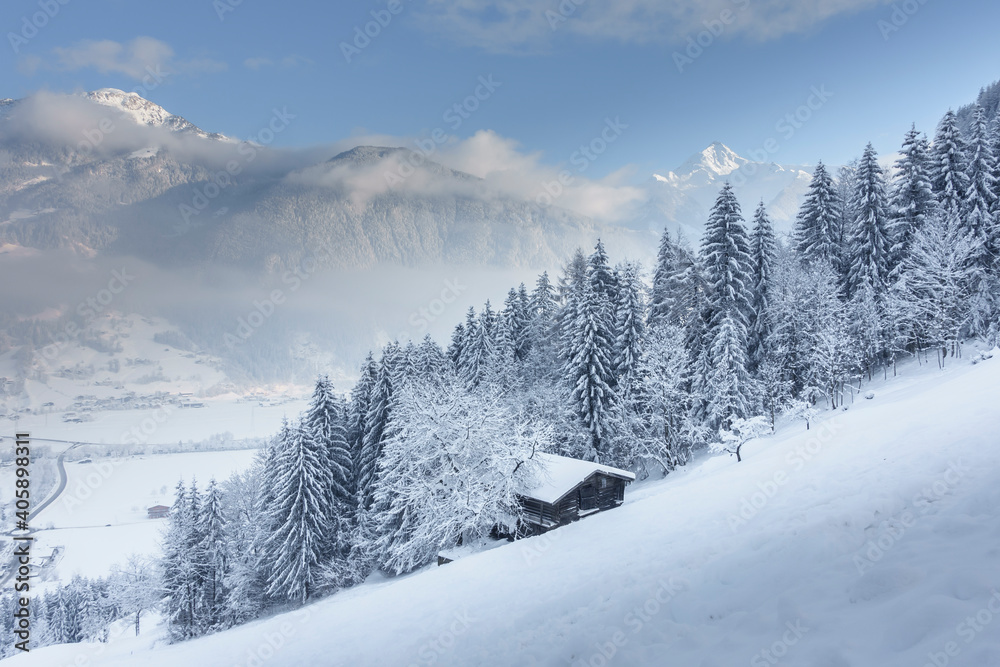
(871, 539)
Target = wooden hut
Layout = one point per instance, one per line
(157, 512)
(568, 489)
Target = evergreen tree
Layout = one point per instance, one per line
(666, 266)
(763, 255)
(212, 558)
(431, 362)
(729, 386)
(725, 252)
(728, 267)
(324, 424)
(602, 279)
(630, 326)
(949, 166)
(377, 416)
(869, 245)
(913, 200)
(588, 370)
(817, 225)
(515, 318)
(980, 222)
(456, 345)
(358, 415)
(179, 568)
(299, 518)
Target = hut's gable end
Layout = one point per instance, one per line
(599, 491)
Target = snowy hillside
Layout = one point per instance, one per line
(870, 539)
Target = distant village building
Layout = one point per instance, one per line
(568, 489)
(157, 512)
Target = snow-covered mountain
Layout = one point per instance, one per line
(144, 112)
(157, 186)
(131, 106)
(683, 197)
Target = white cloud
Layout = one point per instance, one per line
(526, 25)
(135, 59)
(503, 169)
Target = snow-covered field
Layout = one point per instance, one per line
(871, 539)
(167, 425)
(78, 392)
(100, 518)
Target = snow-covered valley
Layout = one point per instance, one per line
(870, 539)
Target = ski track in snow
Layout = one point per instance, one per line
(671, 578)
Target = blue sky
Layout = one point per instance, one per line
(557, 86)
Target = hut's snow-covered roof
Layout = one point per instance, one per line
(558, 475)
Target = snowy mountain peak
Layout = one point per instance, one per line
(685, 196)
(144, 112)
(717, 159)
(707, 166)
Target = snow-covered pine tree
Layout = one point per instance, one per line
(324, 423)
(980, 222)
(666, 265)
(729, 387)
(455, 346)
(358, 413)
(542, 312)
(179, 568)
(247, 496)
(949, 166)
(431, 362)
(588, 372)
(502, 371)
(995, 142)
(299, 518)
(212, 559)
(913, 200)
(725, 252)
(763, 255)
(630, 326)
(981, 196)
(542, 362)
(817, 224)
(869, 244)
(571, 287)
(467, 365)
(480, 347)
(602, 278)
(846, 185)
(404, 361)
(376, 417)
(524, 306)
(515, 317)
